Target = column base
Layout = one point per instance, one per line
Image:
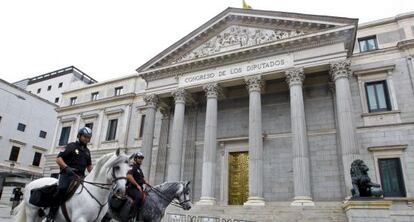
(207, 201)
(302, 201)
(255, 201)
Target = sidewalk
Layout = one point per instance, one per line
(5, 213)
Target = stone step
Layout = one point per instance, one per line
(275, 211)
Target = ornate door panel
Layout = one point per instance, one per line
(238, 178)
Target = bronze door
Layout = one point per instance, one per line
(238, 178)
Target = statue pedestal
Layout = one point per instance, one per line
(361, 210)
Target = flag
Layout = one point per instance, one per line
(246, 6)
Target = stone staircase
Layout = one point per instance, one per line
(275, 212)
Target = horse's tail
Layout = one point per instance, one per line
(21, 214)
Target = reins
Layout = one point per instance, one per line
(105, 186)
(99, 185)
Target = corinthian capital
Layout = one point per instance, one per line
(295, 76)
(254, 83)
(179, 95)
(340, 69)
(211, 89)
(151, 100)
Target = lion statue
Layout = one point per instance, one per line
(361, 183)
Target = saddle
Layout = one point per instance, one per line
(122, 207)
(45, 196)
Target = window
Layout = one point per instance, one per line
(118, 90)
(56, 99)
(377, 96)
(141, 128)
(111, 133)
(42, 134)
(21, 127)
(14, 154)
(64, 136)
(94, 96)
(39, 90)
(0, 119)
(36, 159)
(73, 100)
(60, 85)
(89, 125)
(392, 180)
(368, 44)
(49, 88)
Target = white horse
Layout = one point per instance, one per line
(89, 203)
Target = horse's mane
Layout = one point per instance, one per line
(100, 163)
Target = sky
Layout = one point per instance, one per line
(110, 39)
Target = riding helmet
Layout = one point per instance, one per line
(85, 131)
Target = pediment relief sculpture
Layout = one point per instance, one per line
(235, 37)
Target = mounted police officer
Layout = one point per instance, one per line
(72, 160)
(136, 181)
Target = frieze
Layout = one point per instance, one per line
(237, 70)
(236, 37)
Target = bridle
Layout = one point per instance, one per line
(105, 186)
(173, 199)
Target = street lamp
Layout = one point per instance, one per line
(18, 96)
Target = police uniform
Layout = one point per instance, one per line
(132, 190)
(76, 156)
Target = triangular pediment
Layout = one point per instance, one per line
(236, 37)
(239, 29)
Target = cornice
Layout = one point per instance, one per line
(386, 20)
(97, 102)
(131, 76)
(17, 142)
(374, 70)
(273, 48)
(405, 44)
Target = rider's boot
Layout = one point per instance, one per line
(137, 213)
(52, 213)
(57, 200)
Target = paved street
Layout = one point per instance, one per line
(5, 213)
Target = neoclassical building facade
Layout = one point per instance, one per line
(268, 109)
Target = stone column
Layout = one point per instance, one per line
(74, 135)
(210, 146)
(301, 169)
(175, 155)
(96, 132)
(148, 134)
(254, 85)
(56, 136)
(340, 74)
(162, 147)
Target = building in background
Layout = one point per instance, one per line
(51, 85)
(27, 124)
(265, 109)
(112, 109)
(271, 108)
